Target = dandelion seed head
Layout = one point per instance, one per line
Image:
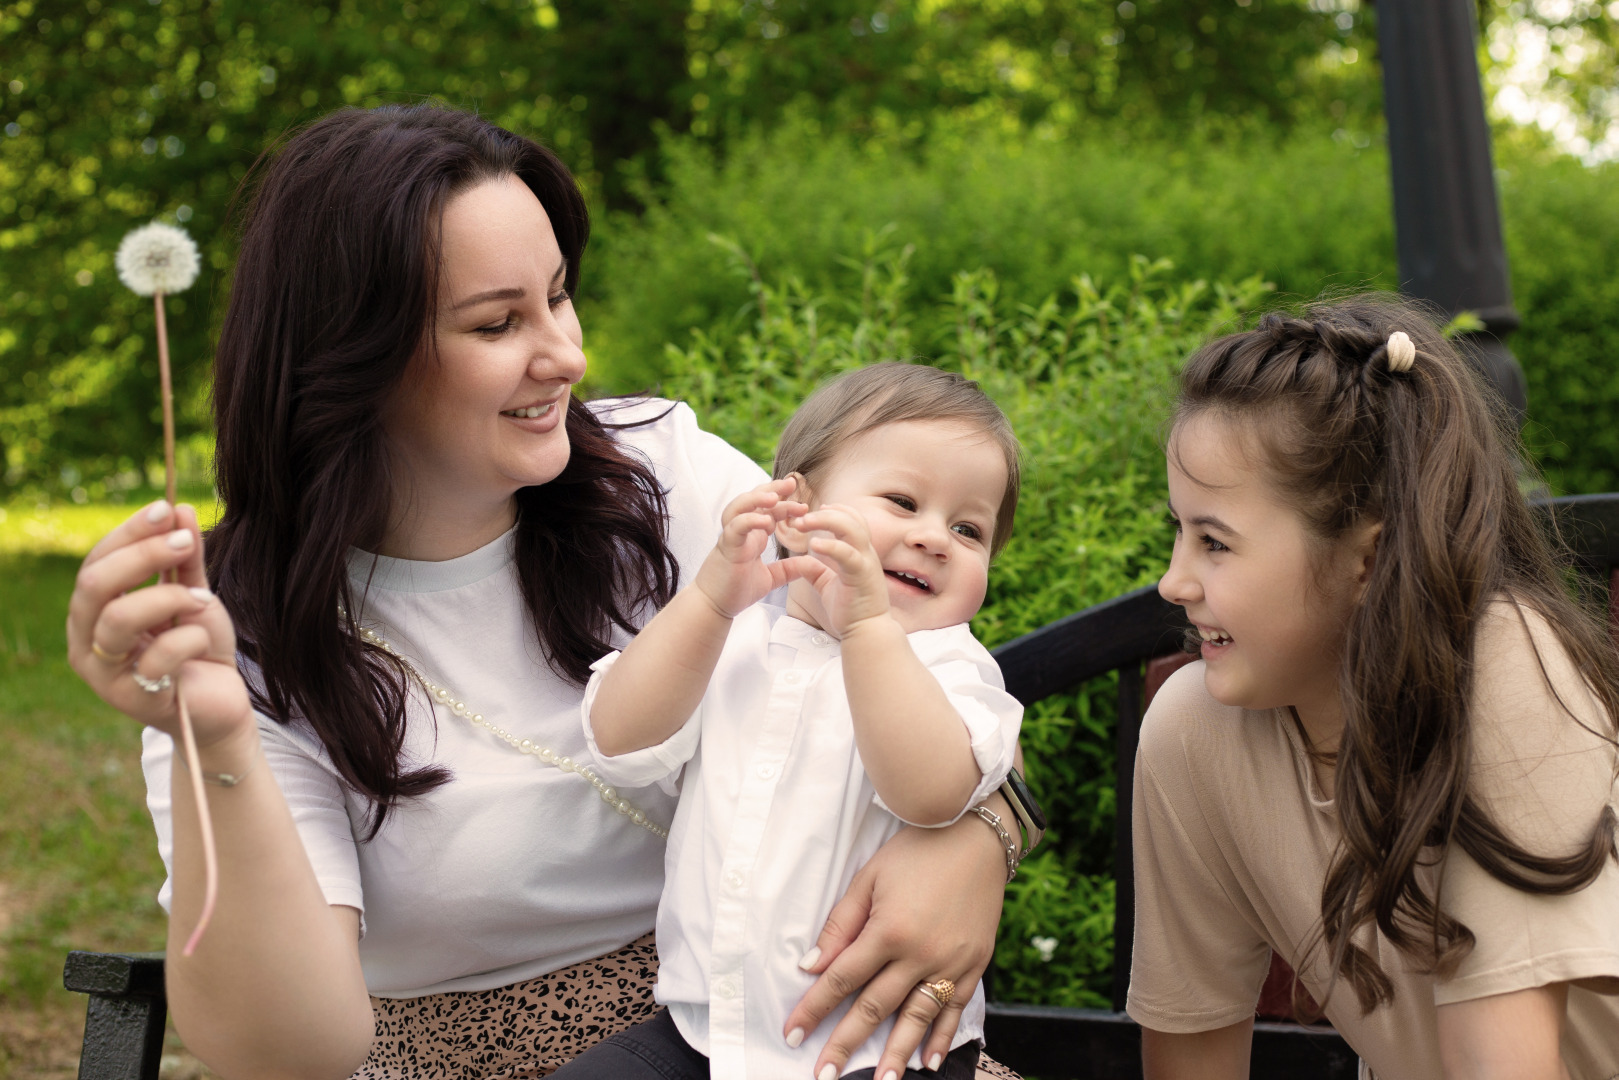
(157, 258)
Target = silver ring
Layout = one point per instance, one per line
(151, 686)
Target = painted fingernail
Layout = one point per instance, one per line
(811, 958)
(935, 1061)
(795, 1038)
(180, 539)
(200, 594)
(890, 1075)
(828, 1071)
(158, 511)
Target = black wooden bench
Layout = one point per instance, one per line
(1138, 635)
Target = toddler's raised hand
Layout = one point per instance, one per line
(845, 569)
(733, 576)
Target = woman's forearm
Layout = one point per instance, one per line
(274, 988)
(912, 742)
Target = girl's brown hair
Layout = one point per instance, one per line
(894, 393)
(1429, 454)
(334, 295)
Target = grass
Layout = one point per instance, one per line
(78, 861)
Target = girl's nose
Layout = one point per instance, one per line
(1177, 585)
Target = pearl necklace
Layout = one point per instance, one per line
(442, 695)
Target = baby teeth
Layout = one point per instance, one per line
(1215, 637)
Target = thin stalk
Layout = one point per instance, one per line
(188, 737)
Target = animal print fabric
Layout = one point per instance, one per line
(529, 1029)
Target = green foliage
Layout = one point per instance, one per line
(1310, 214)
(1562, 228)
(1083, 375)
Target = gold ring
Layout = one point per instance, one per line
(113, 659)
(940, 990)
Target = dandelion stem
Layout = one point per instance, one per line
(210, 855)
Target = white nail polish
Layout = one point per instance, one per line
(200, 594)
(828, 1071)
(935, 1061)
(795, 1038)
(180, 539)
(158, 511)
(890, 1075)
(810, 958)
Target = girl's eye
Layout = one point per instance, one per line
(1210, 543)
(499, 328)
(904, 502)
(969, 530)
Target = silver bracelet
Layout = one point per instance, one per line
(223, 779)
(993, 820)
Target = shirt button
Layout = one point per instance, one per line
(735, 880)
(791, 678)
(725, 988)
(821, 639)
(766, 772)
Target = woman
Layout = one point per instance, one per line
(426, 543)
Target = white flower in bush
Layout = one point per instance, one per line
(1045, 946)
(157, 258)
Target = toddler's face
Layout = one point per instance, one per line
(1270, 607)
(929, 491)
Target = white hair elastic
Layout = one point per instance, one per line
(1402, 354)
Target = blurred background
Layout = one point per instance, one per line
(1060, 197)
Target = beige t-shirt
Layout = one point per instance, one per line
(1233, 838)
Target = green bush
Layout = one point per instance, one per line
(1083, 376)
(1309, 214)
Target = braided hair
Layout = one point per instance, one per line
(1351, 435)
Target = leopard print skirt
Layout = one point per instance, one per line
(527, 1030)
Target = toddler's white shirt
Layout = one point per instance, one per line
(776, 815)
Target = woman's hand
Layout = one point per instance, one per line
(117, 630)
(923, 909)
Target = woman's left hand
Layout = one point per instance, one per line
(923, 909)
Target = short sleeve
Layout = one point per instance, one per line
(1545, 778)
(312, 790)
(701, 473)
(1198, 961)
(659, 764)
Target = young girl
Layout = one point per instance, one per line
(1395, 765)
(803, 736)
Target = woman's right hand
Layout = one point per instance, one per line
(116, 628)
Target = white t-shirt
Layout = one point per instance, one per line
(776, 815)
(513, 868)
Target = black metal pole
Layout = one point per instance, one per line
(1447, 223)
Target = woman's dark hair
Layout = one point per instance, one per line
(1429, 454)
(335, 293)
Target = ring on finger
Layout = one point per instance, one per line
(940, 990)
(152, 686)
(115, 659)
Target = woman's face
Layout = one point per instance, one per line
(481, 414)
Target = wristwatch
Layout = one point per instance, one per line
(1031, 819)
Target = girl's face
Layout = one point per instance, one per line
(1269, 603)
(484, 416)
(928, 491)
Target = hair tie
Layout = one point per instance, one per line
(1401, 353)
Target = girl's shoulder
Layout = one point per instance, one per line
(1185, 726)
